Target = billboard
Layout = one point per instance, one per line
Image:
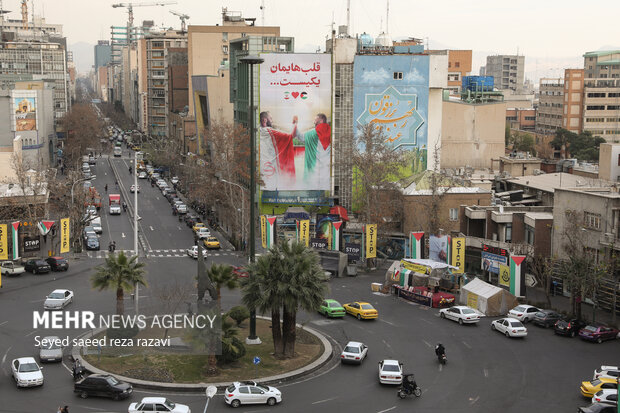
(25, 110)
(295, 122)
(392, 92)
(438, 248)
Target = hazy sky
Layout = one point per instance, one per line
(545, 29)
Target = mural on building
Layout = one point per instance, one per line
(295, 122)
(391, 92)
(25, 113)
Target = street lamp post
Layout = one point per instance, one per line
(135, 220)
(242, 207)
(92, 178)
(251, 61)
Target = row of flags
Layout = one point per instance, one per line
(44, 228)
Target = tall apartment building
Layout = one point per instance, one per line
(550, 105)
(459, 65)
(508, 71)
(103, 53)
(572, 111)
(601, 95)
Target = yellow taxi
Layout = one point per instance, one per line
(590, 388)
(361, 309)
(212, 242)
(198, 225)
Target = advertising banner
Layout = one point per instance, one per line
(303, 231)
(353, 251)
(25, 110)
(422, 269)
(504, 275)
(263, 231)
(458, 255)
(438, 248)
(32, 244)
(15, 239)
(491, 262)
(65, 232)
(371, 240)
(295, 122)
(4, 242)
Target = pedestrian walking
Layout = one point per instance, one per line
(106, 188)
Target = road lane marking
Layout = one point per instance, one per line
(388, 322)
(323, 401)
(180, 229)
(440, 367)
(485, 372)
(426, 321)
(472, 401)
(5, 354)
(4, 322)
(151, 228)
(123, 234)
(427, 343)
(466, 345)
(31, 333)
(387, 410)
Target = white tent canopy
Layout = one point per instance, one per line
(487, 298)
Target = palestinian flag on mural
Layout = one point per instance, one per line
(45, 227)
(517, 275)
(335, 241)
(416, 244)
(15, 239)
(271, 231)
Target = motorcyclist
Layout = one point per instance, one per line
(112, 246)
(130, 170)
(124, 206)
(106, 187)
(440, 350)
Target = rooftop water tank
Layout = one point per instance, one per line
(383, 40)
(366, 40)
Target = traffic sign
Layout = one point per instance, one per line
(256, 360)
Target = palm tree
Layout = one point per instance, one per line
(222, 276)
(288, 278)
(121, 273)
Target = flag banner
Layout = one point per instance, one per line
(15, 239)
(303, 231)
(45, 227)
(458, 254)
(263, 231)
(517, 275)
(65, 232)
(504, 275)
(416, 244)
(371, 240)
(4, 242)
(271, 231)
(335, 244)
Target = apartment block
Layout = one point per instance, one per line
(572, 111)
(601, 96)
(103, 53)
(550, 105)
(459, 65)
(521, 119)
(507, 70)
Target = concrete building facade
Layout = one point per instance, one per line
(572, 111)
(508, 71)
(521, 119)
(601, 95)
(550, 105)
(103, 53)
(609, 162)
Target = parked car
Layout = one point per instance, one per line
(240, 272)
(332, 308)
(511, 327)
(92, 243)
(58, 299)
(157, 404)
(26, 372)
(598, 333)
(37, 266)
(461, 314)
(174, 180)
(50, 349)
(181, 208)
(190, 219)
(198, 225)
(212, 243)
(390, 372)
(523, 312)
(11, 268)
(240, 393)
(132, 188)
(612, 372)
(203, 233)
(598, 408)
(361, 309)
(606, 396)
(354, 352)
(569, 327)
(546, 318)
(102, 385)
(58, 263)
(590, 388)
(142, 175)
(91, 210)
(96, 224)
(170, 194)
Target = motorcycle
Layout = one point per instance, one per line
(111, 247)
(409, 387)
(442, 358)
(78, 370)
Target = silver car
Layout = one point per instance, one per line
(50, 349)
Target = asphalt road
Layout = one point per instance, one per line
(486, 372)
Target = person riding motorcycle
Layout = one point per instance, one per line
(125, 206)
(112, 246)
(130, 170)
(440, 351)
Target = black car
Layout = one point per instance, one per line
(569, 327)
(191, 219)
(58, 263)
(171, 194)
(102, 385)
(37, 266)
(599, 408)
(92, 243)
(546, 318)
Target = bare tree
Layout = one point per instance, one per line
(542, 270)
(173, 298)
(84, 130)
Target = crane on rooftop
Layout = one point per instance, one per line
(181, 16)
(130, 7)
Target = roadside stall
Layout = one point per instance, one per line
(487, 298)
(420, 281)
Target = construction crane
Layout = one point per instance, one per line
(130, 7)
(181, 16)
(24, 14)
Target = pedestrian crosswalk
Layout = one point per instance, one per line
(171, 253)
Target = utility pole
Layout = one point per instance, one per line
(135, 220)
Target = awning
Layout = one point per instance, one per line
(339, 210)
(296, 213)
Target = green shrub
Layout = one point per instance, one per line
(122, 332)
(239, 314)
(232, 350)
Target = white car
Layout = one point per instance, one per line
(157, 404)
(354, 352)
(193, 251)
(523, 312)
(240, 393)
(50, 349)
(115, 209)
(58, 300)
(460, 313)
(26, 372)
(606, 396)
(390, 372)
(142, 175)
(610, 372)
(511, 327)
(182, 209)
(91, 210)
(203, 233)
(132, 188)
(174, 180)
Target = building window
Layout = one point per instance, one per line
(449, 64)
(457, 64)
(224, 36)
(591, 220)
(529, 235)
(398, 75)
(454, 214)
(225, 49)
(508, 232)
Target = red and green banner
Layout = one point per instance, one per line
(15, 239)
(45, 227)
(335, 236)
(268, 233)
(517, 275)
(416, 245)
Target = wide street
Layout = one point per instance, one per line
(486, 372)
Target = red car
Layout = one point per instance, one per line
(598, 333)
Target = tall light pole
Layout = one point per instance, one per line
(135, 218)
(251, 61)
(242, 207)
(92, 178)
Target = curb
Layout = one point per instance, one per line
(191, 387)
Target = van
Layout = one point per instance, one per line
(96, 224)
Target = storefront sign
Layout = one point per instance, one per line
(472, 300)
(303, 230)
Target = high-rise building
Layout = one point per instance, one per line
(550, 105)
(507, 70)
(103, 53)
(572, 111)
(601, 94)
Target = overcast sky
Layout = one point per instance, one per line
(544, 29)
